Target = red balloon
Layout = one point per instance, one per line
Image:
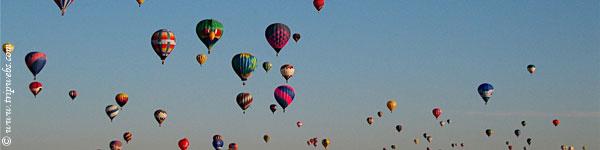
(437, 112)
(319, 4)
(509, 147)
(35, 88)
(184, 144)
(233, 146)
(73, 94)
(555, 122)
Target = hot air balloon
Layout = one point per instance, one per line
(531, 68)
(384, 148)
(140, 2)
(217, 137)
(523, 123)
(524, 148)
(462, 144)
(556, 122)
(486, 91)
(517, 132)
(437, 112)
(429, 138)
(425, 135)
(201, 58)
(73, 94)
(35, 62)
(284, 94)
(277, 35)
(63, 5)
(296, 37)
(563, 147)
(35, 88)
(122, 98)
(442, 123)
(489, 132)
(393, 146)
(528, 141)
(380, 114)
(244, 100)
(267, 66)
(416, 141)
(233, 146)
(273, 108)
(127, 136)
(507, 143)
(583, 147)
(319, 4)
(428, 148)
(183, 144)
(209, 31)
(391, 105)
(217, 142)
(509, 147)
(8, 48)
(163, 43)
(448, 121)
(287, 71)
(398, 128)
(115, 145)
(266, 137)
(112, 111)
(160, 116)
(325, 142)
(370, 120)
(243, 64)
(299, 124)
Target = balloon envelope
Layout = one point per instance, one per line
(486, 91)
(243, 64)
(284, 95)
(163, 43)
(209, 31)
(35, 62)
(277, 35)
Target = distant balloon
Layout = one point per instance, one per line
(35, 88)
(183, 144)
(160, 116)
(209, 31)
(140, 2)
(112, 111)
(284, 94)
(380, 114)
(398, 128)
(319, 4)
(35, 61)
(217, 142)
(429, 139)
(391, 105)
(509, 147)
(296, 37)
(531, 68)
(73, 94)
(489, 132)
(507, 143)
(115, 145)
(448, 121)
(243, 64)
(127, 136)
(523, 123)
(267, 66)
(273, 108)
(122, 98)
(299, 124)
(370, 120)
(163, 43)
(486, 91)
(393, 146)
(63, 5)
(266, 137)
(8, 48)
(416, 141)
(556, 122)
(201, 58)
(528, 141)
(425, 135)
(442, 123)
(325, 142)
(517, 132)
(244, 100)
(277, 35)
(233, 146)
(287, 71)
(437, 112)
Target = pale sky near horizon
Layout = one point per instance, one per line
(352, 58)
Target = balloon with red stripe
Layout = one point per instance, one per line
(284, 94)
(35, 61)
(35, 88)
(163, 43)
(244, 100)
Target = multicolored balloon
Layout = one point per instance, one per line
(284, 95)
(267, 66)
(277, 35)
(299, 124)
(244, 100)
(273, 108)
(326, 142)
(160, 116)
(201, 58)
(233, 146)
(218, 142)
(370, 120)
(531, 68)
(122, 99)
(73, 94)
(486, 91)
(391, 105)
(209, 31)
(116, 144)
(112, 111)
(287, 71)
(183, 144)
(127, 136)
(296, 37)
(380, 114)
(63, 5)
(140, 2)
(319, 4)
(243, 64)
(35, 88)
(8, 48)
(35, 62)
(163, 43)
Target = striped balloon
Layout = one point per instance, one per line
(73, 94)
(160, 116)
(35, 61)
(284, 94)
(163, 43)
(244, 100)
(277, 35)
(243, 64)
(115, 145)
(287, 71)
(112, 111)
(62, 5)
(122, 99)
(35, 88)
(486, 91)
(127, 136)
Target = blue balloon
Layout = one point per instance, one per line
(486, 91)
(218, 144)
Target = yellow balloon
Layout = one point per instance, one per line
(326, 142)
(8, 48)
(140, 2)
(391, 105)
(416, 141)
(201, 58)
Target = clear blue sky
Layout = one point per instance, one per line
(352, 58)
